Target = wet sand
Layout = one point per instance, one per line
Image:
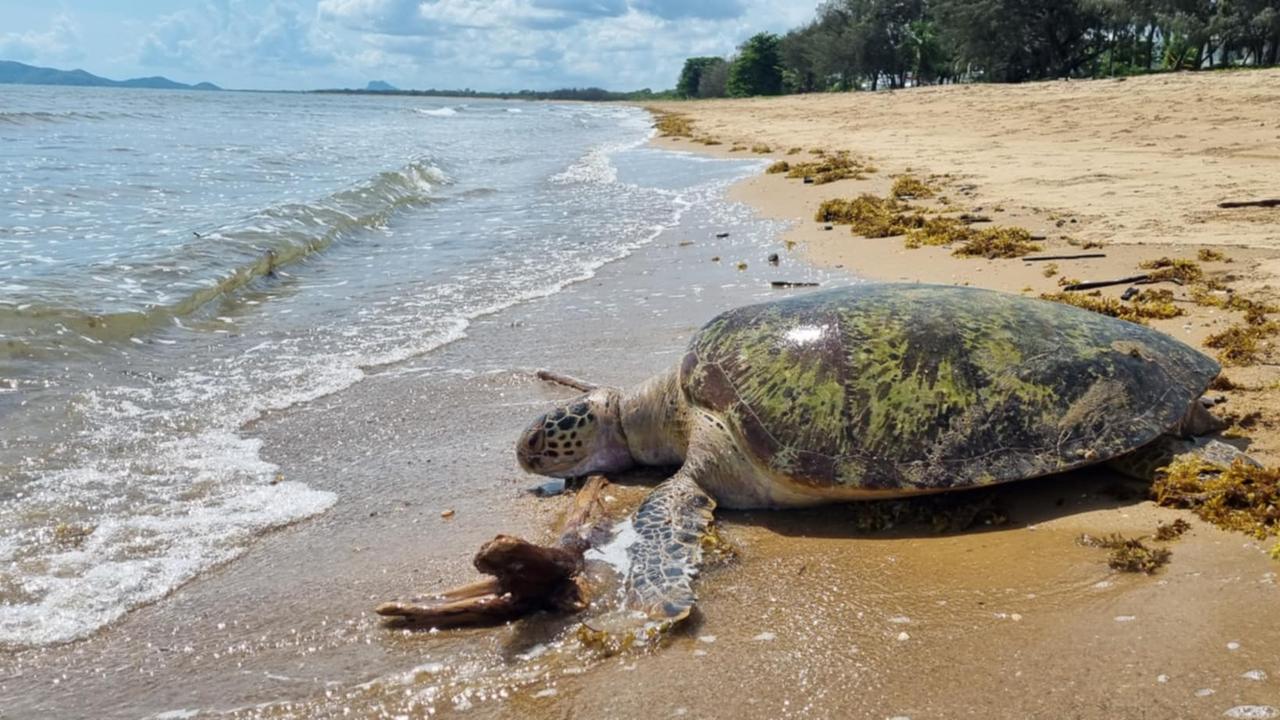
(812, 618)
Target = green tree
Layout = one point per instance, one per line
(713, 80)
(691, 75)
(757, 70)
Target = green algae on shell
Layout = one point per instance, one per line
(903, 388)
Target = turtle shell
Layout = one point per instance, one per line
(911, 388)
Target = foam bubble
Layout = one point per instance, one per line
(1252, 712)
(437, 112)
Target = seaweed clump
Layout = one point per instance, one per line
(1175, 269)
(1241, 497)
(1166, 532)
(1242, 343)
(910, 186)
(1211, 255)
(1138, 310)
(939, 231)
(671, 124)
(830, 168)
(998, 242)
(871, 216)
(1129, 554)
(780, 166)
(761, 149)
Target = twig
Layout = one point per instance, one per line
(1132, 279)
(1081, 256)
(1269, 202)
(566, 380)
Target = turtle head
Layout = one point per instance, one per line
(578, 438)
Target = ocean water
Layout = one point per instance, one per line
(175, 266)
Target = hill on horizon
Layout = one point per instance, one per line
(16, 73)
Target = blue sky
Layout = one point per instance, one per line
(304, 44)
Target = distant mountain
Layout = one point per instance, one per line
(16, 73)
(380, 86)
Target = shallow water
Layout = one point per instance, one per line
(176, 265)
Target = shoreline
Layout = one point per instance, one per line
(818, 616)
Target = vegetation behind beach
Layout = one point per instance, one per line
(869, 44)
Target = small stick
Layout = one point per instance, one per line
(789, 284)
(1132, 279)
(1270, 202)
(1081, 256)
(566, 380)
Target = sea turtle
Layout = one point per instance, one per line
(873, 391)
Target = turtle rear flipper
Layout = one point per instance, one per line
(1145, 462)
(664, 552)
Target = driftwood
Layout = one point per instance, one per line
(1131, 280)
(1081, 256)
(1268, 203)
(525, 577)
(974, 218)
(566, 380)
(789, 284)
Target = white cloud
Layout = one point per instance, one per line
(60, 43)
(485, 44)
(509, 44)
(259, 40)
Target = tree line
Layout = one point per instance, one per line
(870, 44)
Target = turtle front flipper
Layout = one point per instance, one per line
(671, 525)
(664, 550)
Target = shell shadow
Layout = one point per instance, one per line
(969, 511)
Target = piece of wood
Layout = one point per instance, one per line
(1080, 256)
(1268, 203)
(1131, 280)
(789, 284)
(525, 577)
(566, 380)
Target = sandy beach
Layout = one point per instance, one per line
(812, 617)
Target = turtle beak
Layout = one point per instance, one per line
(529, 448)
